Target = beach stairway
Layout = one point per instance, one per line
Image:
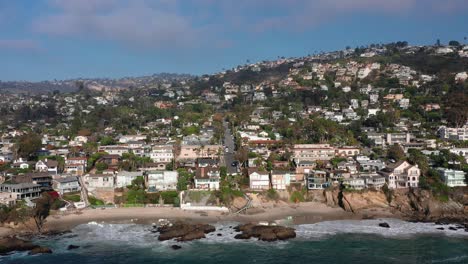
(246, 206)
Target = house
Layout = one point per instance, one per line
(355, 183)
(259, 180)
(452, 178)
(76, 166)
(8, 198)
(316, 179)
(199, 151)
(457, 133)
(371, 165)
(207, 162)
(161, 180)
(22, 190)
(21, 164)
(401, 175)
(125, 178)
(162, 154)
(67, 184)
(312, 152)
(99, 181)
(280, 180)
(207, 178)
(43, 179)
(110, 160)
(47, 165)
(373, 180)
(347, 151)
(114, 149)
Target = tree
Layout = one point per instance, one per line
(454, 43)
(100, 166)
(42, 210)
(396, 152)
(416, 157)
(28, 144)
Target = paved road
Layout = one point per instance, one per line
(229, 143)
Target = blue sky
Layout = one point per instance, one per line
(61, 39)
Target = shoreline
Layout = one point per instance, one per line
(295, 214)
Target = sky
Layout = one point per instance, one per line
(64, 39)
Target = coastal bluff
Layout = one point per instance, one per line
(413, 204)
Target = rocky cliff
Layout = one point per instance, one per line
(413, 204)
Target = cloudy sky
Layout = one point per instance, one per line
(59, 39)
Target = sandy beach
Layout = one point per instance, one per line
(303, 213)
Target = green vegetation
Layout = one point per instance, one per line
(72, 197)
(297, 197)
(185, 178)
(94, 201)
(272, 194)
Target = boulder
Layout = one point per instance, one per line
(264, 233)
(184, 231)
(10, 244)
(385, 225)
(176, 247)
(40, 250)
(70, 247)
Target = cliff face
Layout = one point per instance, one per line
(415, 204)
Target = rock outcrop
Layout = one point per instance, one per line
(40, 250)
(11, 244)
(414, 204)
(264, 233)
(184, 232)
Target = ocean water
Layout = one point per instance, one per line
(326, 242)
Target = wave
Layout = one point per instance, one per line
(398, 229)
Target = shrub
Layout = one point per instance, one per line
(297, 197)
(272, 194)
(94, 201)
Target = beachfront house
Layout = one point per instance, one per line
(161, 180)
(316, 179)
(452, 178)
(207, 178)
(125, 178)
(99, 181)
(259, 180)
(66, 184)
(401, 175)
(22, 190)
(280, 180)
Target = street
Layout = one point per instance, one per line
(229, 143)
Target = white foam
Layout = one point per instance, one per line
(398, 228)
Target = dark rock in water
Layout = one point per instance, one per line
(466, 229)
(452, 228)
(176, 247)
(230, 226)
(70, 247)
(385, 225)
(40, 250)
(219, 234)
(10, 244)
(441, 228)
(264, 233)
(184, 231)
(242, 236)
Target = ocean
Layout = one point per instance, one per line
(346, 241)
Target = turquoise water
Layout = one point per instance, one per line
(327, 242)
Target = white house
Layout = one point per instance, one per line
(47, 165)
(125, 178)
(259, 180)
(402, 175)
(161, 180)
(67, 184)
(97, 181)
(207, 178)
(452, 178)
